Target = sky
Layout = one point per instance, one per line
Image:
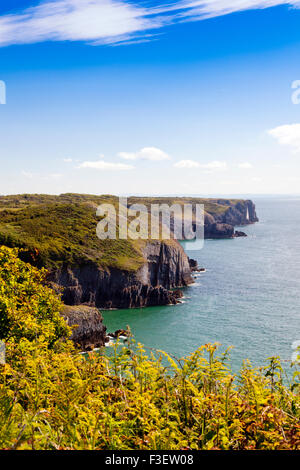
(144, 97)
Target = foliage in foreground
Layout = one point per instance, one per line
(28, 308)
(132, 401)
(51, 397)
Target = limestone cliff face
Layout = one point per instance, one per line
(166, 267)
(222, 225)
(242, 213)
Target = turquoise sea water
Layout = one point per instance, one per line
(248, 298)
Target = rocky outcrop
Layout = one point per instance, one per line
(218, 230)
(238, 214)
(117, 334)
(195, 266)
(239, 234)
(166, 268)
(222, 225)
(89, 331)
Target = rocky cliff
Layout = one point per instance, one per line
(240, 213)
(87, 324)
(221, 215)
(59, 233)
(165, 268)
(222, 224)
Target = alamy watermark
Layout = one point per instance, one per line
(296, 354)
(2, 352)
(296, 93)
(2, 92)
(151, 222)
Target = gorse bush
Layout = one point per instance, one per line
(28, 309)
(52, 397)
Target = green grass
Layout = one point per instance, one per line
(56, 234)
(58, 230)
(211, 206)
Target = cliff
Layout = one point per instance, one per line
(240, 213)
(221, 216)
(59, 233)
(222, 224)
(166, 267)
(88, 329)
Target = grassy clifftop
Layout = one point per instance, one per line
(58, 233)
(56, 230)
(212, 206)
(19, 201)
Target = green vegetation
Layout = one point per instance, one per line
(65, 233)
(212, 206)
(51, 397)
(58, 230)
(20, 201)
(29, 310)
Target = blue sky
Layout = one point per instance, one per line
(186, 97)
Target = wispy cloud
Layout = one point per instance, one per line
(189, 164)
(102, 165)
(288, 135)
(147, 153)
(112, 21)
(201, 9)
(95, 21)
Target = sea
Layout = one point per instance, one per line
(248, 298)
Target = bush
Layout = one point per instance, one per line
(28, 308)
(60, 400)
(52, 397)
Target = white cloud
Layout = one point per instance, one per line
(189, 164)
(147, 153)
(112, 21)
(67, 160)
(245, 166)
(201, 9)
(102, 165)
(96, 21)
(288, 134)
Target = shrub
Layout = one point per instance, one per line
(52, 397)
(28, 308)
